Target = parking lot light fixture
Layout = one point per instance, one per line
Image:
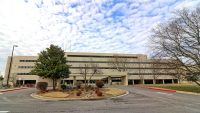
(10, 64)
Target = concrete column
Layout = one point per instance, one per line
(163, 81)
(23, 82)
(123, 80)
(74, 80)
(143, 81)
(133, 82)
(126, 80)
(172, 81)
(178, 82)
(109, 81)
(154, 81)
(58, 83)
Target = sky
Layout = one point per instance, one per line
(116, 26)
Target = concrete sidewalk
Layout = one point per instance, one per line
(170, 90)
(161, 89)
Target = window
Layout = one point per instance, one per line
(119, 67)
(111, 62)
(23, 73)
(101, 56)
(151, 73)
(26, 67)
(27, 60)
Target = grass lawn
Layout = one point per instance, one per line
(180, 87)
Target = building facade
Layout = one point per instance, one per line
(123, 69)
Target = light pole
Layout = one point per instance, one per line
(10, 64)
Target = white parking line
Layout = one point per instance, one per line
(164, 93)
(1, 93)
(4, 111)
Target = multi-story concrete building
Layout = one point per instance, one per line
(126, 69)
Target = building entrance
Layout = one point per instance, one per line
(116, 81)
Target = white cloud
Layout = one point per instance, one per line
(90, 26)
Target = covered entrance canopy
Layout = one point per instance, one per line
(116, 80)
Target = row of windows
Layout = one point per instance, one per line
(24, 74)
(102, 56)
(115, 68)
(104, 67)
(27, 60)
(128, 73)
(112, 62)
(99, 62)
(25, 66)
(151, 73)
(28, 67)
(141, 73)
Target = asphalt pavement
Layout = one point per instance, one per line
(139, 100)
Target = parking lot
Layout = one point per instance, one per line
(139, 100)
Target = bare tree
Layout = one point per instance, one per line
(94, 71)
(177, 70)
(141, 76)
(84, 70)
(88, 71)
(122, 64)
(179, 39)
(13, 79)
(119, 63)
(156, 69)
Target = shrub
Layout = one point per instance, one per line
(96, 90)
(99, 83)
(90, 87)
(99, 93)
(82, 89)
(5, 86)
(16, 85)
(78, 84)
(63, 87)
(28, 85)
(32, 85)
(42, 86)
(78, 93)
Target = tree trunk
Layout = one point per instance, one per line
(141, 81)
(179, 81)
(54, 84)
(85, 81)
(154, 81)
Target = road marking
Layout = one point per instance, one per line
(164, 93)
(121, 95)
(1, 93)
(4, 111)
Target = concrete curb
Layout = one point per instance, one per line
(160, 89)
(34, 95)
(190, 93)
(8, 90)
(127, 92)
(169, 90)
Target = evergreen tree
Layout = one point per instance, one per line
(52, 64)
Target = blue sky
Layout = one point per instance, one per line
(117, 26)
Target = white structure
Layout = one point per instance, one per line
(138, 69)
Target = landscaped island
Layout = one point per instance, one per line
(80, 92)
